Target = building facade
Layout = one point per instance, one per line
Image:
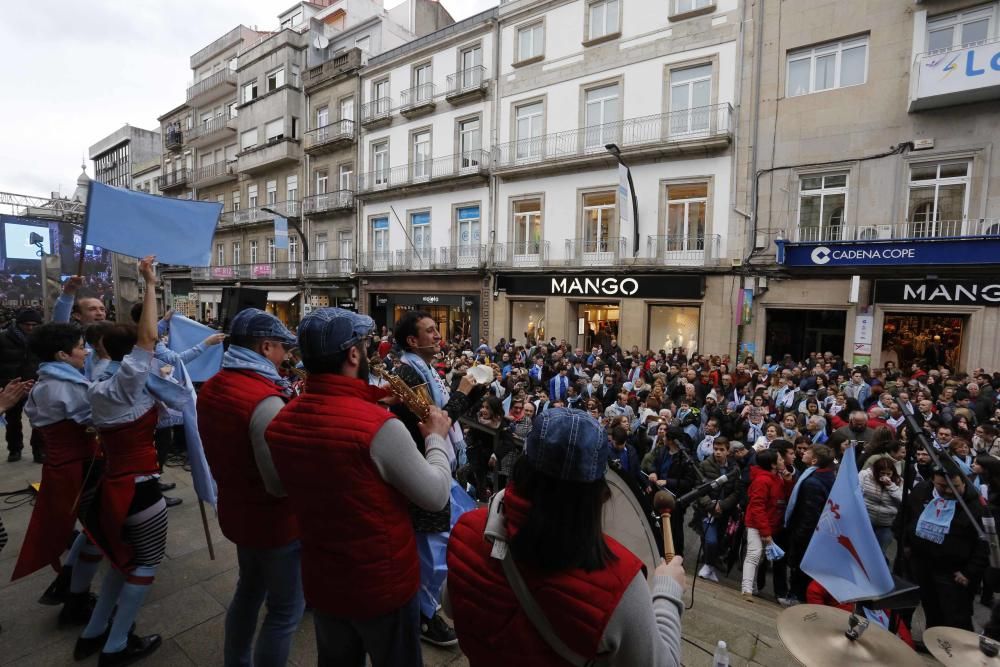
(116, 155)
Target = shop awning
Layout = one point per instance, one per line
(281, 297)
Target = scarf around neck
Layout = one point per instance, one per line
(243, 359)
(62, 371)
(934, 523)
(430, 378)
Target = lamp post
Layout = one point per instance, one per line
(617, 154)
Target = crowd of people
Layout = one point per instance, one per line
(389, 479)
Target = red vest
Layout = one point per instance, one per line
(248, 515)
(359, 553)
(493, 630)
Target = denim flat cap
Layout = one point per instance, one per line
(568, 444)
(327, 331)
(255, 323)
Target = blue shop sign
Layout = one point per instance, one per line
(952, 251)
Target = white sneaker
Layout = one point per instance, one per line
(703, 572)
(787, 602)
(708, 573)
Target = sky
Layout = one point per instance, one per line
(74, 71)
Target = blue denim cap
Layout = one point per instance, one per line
(326, 331)
(255, 323)
(568, 444)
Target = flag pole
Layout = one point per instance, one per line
(83, 234)
(208, 533)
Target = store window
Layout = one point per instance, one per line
(596, 324)
(822, 199)
(930, 339)
(674, 328)
(938, 199)
(527, 321)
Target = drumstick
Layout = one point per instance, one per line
(663, 503)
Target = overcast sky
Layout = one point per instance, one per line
(74, 71)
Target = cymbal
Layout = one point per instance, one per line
(814, 634)
(953, 646)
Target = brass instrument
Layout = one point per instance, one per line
(299, 373)
(415, 399)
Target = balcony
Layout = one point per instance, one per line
(262, 271)
(687, 132)
(468, 256)
(213, 174)
(683, 250)
(257, 214)
(212, 87)
(595, 252)
(468, 84)
(173, 140)
(275, 153)
(377, 112)
(960, 75)
(209, 131)
(329, 268)
(417, 101)
(523, 255)
(376, 260)
(317, 77)
(330, 137)
(906, 231)
(328, 202)
(172, 180)
(427, 174)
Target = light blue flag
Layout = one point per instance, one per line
(843, 555)
(280, 232)
(177, 231)
(185, 334)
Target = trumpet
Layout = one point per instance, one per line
(415, 399)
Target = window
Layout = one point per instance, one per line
(344, 244)
(272, 192)
(230, 153)
(249, 91)
(236, 200)
(601, 116)
(527, 227)
(292, 20)
(271, 252)
(422, 154)
(320, 246)
(364, 43)
(322, 178)
(529, 119)
(470, 62)
(220, 254)
(423, 88)
(469, 142)
(686, 205)
(938, 199)
(530, 42)
(252, 196)
(236, 252)
(293, 248)
(685, 6)
(690, 99)
(295, 127)
(380, 94)
(674, 326)
(346, 176)
(274, 130)
(347, 109)
(822, 202)
(292, 187)
(248, 139)
(295, 75)
(527, 320)
(420, 232)
(960, 28)
(828, 66)
(231, 110)
(603, 18)
(253, 252)
(467, 222)
(598, 221)
(380, 162)
(275, 79)
(380, 238)
(322, 116)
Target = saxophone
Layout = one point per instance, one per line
(415, 399)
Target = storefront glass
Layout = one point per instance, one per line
(799, 332)
(527, 321)
(673, 327)
(599, 323)
(930, 339)
(452, 321)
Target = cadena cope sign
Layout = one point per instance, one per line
(636, 286)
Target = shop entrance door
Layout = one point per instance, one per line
(931, 339)
(799, 332)
(599, 323)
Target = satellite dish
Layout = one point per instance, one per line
(321, 42)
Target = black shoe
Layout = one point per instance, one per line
(436, 631)
(87, 647)
(77, 609)
(58, 590)
(986, 600)
(172, 502)
(38, 457)
(167, 487)
(136, 649)
(13, 457)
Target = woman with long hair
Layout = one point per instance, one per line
(882, 488)
(487, 440)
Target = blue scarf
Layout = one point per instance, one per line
(61, 370)
(795, 492)
(965, 464)
(431, 379)
(240, 358)
(934, 523)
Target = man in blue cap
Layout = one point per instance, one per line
(236, 406)
(351, 469)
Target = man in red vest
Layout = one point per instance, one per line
(236, 406)
(350, 469)
(543, 533)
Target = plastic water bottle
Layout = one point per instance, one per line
(721, 657)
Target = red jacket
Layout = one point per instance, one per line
(766, 502)
(248, 515)
(492, 629)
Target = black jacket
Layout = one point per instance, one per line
(809, 504)
(962, 550)
(15, 358)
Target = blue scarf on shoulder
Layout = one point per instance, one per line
(61, 370)
(241, 358)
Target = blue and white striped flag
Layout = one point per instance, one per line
(280, 232)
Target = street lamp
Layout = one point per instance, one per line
(617, 154)
(298, 230)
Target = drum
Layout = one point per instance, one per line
(626, 521)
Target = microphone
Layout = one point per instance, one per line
(702, 489)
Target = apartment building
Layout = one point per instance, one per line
(871, 181)
(116, 155)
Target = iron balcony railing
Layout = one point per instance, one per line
(524, 254)
(223, 76)
(467, 256)
(685, 250)
(376, 260)
(255, 214)
(261, 271)
(328, 201)
(686, 125)
(595, 252)
(173, 179)
(339, 130)
(208, 128)
(915, 229)
(215, 170)
(465, 81)
(329, 268)
(416, 259)
(376, 110)
(466, 164)
(417, 96)
(173, 139)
